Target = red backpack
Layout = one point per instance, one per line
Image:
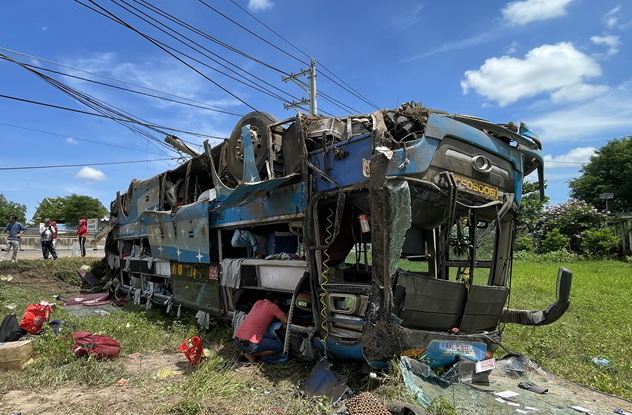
(34, 317)
(95, 345)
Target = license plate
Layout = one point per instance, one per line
(486, 190)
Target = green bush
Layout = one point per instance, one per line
(525, 244)
(561, 255)
(599, 242)
(554, 241)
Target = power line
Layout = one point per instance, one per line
(249, 82)
(113, 17)
(109, 117)
(214, 108)
(348, 88)
(84, 164)
(327, 97)
(76, 138)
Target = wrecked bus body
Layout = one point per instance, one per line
(383, 232)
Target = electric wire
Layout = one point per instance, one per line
(84, 164)
(111, 16)
(105, 110)
(247, 81)
(214, 108)
(346, 86)
(327, 97)
(207, 36)
(76, 138)
(223, 44)
(252, 33)
(130, 90)
(109, 117)
(101, 107)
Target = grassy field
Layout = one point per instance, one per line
(159, 382)
(597, 325)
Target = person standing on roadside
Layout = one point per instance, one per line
(54, 225)
(14, 229)
(82, 232)
(47, 232)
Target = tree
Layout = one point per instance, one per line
(71, 208)
(531, 207)
(8, 208)
(608, 171)
(570, 219)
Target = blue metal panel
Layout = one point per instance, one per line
(415, 158)
(144, 196)
(440, 126)
(286, 201)
(188, 241)
(344, 171)
(246, 193)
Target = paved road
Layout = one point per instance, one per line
(31, 253)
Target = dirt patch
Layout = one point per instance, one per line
(137, 393)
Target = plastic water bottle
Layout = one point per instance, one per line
(600, 361)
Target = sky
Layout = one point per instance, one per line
(193, 68)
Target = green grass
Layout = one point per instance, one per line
(216, 386)
(597, 323)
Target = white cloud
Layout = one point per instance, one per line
(611, 42)
(468, 42)
(611, 20)
(71, 140)
(573, 158)
(91, 174)
(548, 68)
(604, 118)
(522, 12)
(578, 92)
(256, 5)
(512, 48)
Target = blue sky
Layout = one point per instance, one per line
(561, 66)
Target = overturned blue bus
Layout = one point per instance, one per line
(383, 232)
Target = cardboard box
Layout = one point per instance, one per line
(13, 355)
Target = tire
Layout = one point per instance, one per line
(259, 122)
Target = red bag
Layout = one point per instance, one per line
(192, 350)
(34, 317)
(95, 345)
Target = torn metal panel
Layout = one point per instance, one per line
(161, 234)
(192, 232)
(413, 158)
(246, 193)
(342, 162)
(284, 203)
(142, 195)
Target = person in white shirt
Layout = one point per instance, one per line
(47, 232)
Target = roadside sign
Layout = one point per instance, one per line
(93, 225)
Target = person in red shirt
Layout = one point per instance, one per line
(55, 232)
(82, 232)
(250, 336)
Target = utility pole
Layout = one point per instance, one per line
(311, 73)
